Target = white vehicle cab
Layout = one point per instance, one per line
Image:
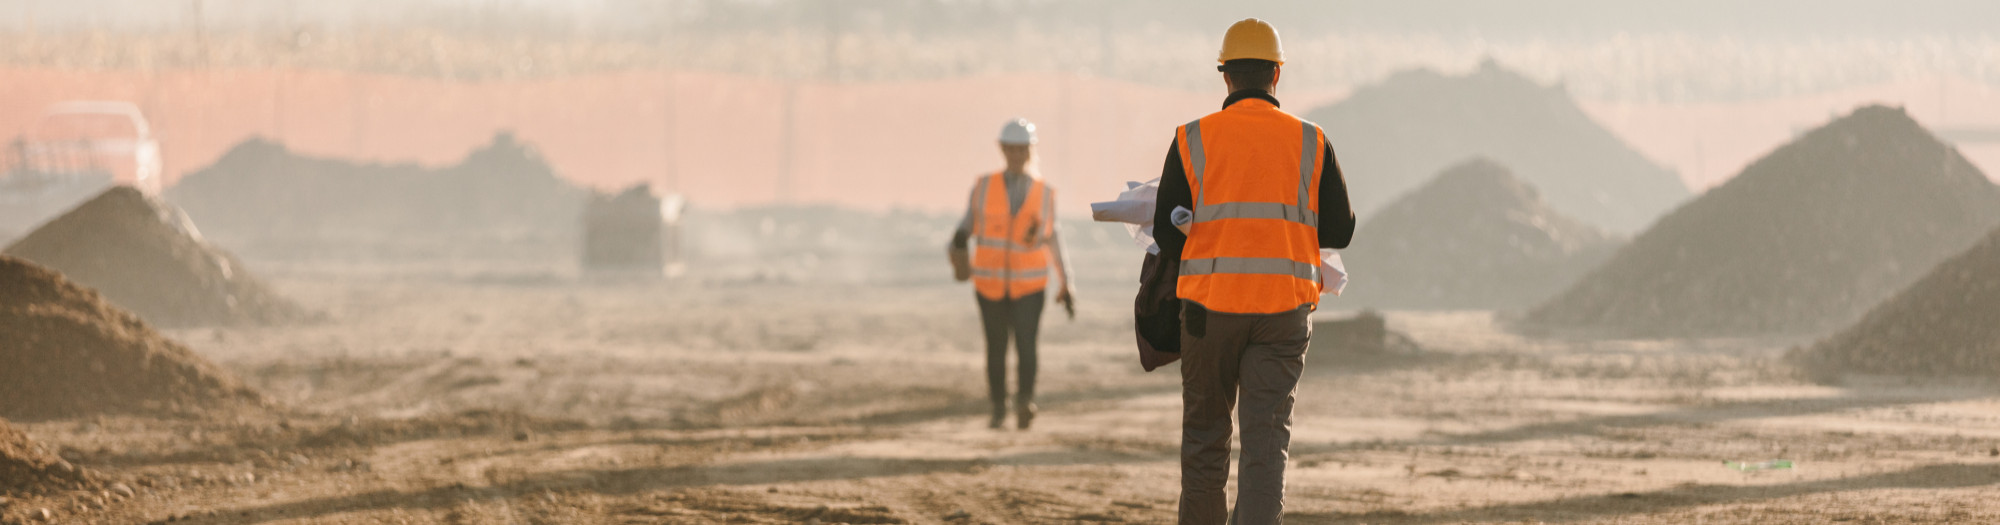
(75, 151)
(108, 136)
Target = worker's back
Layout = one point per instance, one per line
(1253, 246)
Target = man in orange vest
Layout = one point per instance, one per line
(1251, 196)
(1011, 223)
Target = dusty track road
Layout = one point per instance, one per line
(523, 401)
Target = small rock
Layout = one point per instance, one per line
(521, 435)
(123, 490)
(43, 515)
(1995, 452)
(959, 514)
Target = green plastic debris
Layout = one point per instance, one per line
(1744, 466)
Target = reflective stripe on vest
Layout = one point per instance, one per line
(1251, 265)
(1010, 259)
(1253, 245)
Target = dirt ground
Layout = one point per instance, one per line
(530, 398)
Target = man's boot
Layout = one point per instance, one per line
(1026, 415)
(999, 416)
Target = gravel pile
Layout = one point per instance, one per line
(1393, 136)
(146, 256)
(1948, 323)
(1804, 241)
(1474, 237)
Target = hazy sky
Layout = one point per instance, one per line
(1514, 18)
(1686, 50)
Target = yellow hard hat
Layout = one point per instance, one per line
(1252, 38)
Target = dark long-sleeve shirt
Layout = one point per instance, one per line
(1336, 216)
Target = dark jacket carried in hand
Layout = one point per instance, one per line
(1158, 311)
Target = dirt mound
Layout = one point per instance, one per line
(265, 195)
(1475, 237)
(66, 352)
(146, 256)
(1942, 325)
(27, 468)
(1392, 135)
(1803, 241)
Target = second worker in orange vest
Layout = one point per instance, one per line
(1010, 221)
(1263, 195)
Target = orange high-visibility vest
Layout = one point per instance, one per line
(1011, 255)
(1253, 247)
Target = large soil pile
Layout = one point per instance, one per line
(1393, 135)
(66, 352)
(1948, 323)
(146, 256)
(1475, 237)
(266, 195)
(27, 468)
(1803, 241)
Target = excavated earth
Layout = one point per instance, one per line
(66, 352)
(724, 397)
(1392, 136)
(502, 200)
(1474, 237)
(26, 467)
(1803, 242)
(146, 256)
(1944, 325)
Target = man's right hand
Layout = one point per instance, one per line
(961, 263)
(1067, 298)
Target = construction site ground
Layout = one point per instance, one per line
(520, 397)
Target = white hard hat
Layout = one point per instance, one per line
(1018, 132)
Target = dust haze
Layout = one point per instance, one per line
(684, 261)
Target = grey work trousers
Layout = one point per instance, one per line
(1260, 356)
